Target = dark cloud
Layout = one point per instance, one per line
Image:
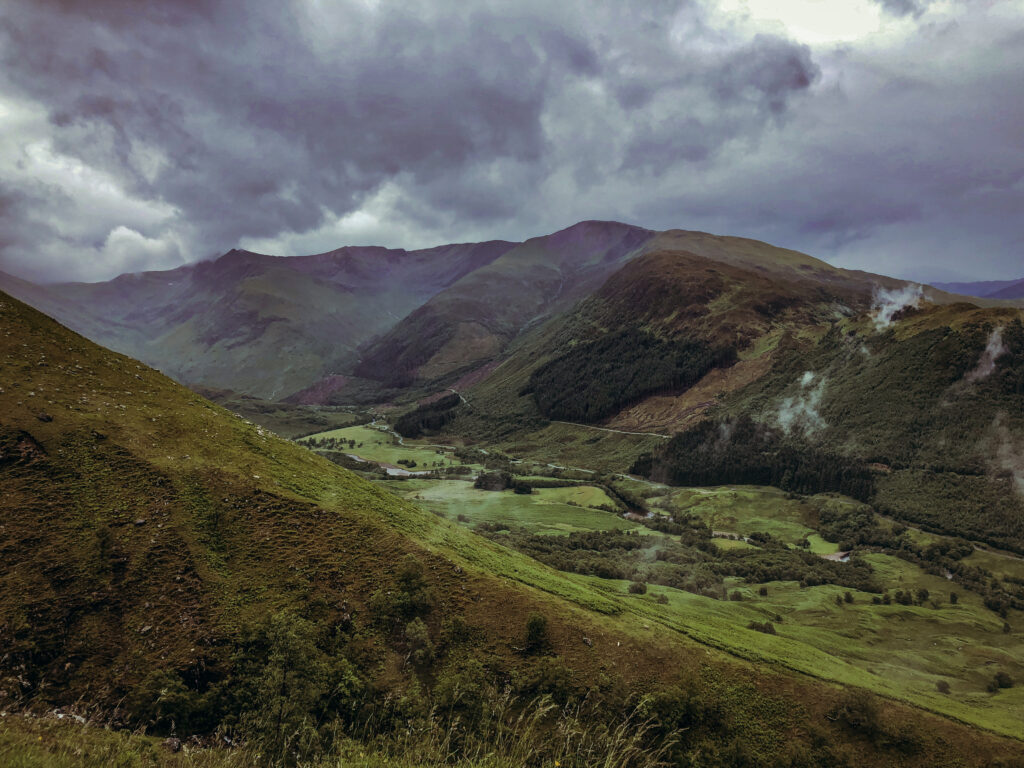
(144, 135)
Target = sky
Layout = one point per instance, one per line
(885, 135)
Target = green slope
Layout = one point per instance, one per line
(148, 536)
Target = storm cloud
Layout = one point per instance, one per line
(139, 136)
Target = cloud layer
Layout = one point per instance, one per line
(136, 137)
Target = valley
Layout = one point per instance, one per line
(735, 499)
(939, 652)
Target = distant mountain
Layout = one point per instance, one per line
(473, 320)
(362, 324)
(259, 324)
(1014, 290)
(995, 289)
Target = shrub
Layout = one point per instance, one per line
(762, 626)
(942, 686)
(638, 588)
(537, 640)
(421, 649)
(857, 710)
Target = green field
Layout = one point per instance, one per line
(898, 651)
(546, 510)
(579, 446)
(376, 443)
(745, 510)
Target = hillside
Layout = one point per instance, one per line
(924, 388)
(165, 554)
(472, 321)
(220, 323)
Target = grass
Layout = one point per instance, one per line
(899, 651)
(376, 443)
(545, 511)
(745, 510)
(579, 446)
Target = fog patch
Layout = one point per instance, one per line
(800, 412)
(1009, 458)
(994, 349)
(888, 301)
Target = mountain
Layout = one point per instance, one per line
(359, 324)
(263, 325)
(996, 289)
(920, 396)
(1013, 291)
(472, 321)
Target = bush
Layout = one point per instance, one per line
(638, 588)
(537, 640)
(412, 596)
(942, 686)
(762, 626)
(858, 710)
(1001, 680)
(421, 649)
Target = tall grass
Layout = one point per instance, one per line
(510, 734)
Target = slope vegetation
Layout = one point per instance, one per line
(159, 552)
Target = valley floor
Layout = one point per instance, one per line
(934, 653)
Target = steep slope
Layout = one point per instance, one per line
(725, 309)
(263, 325)
(472, 321)
(162, 553)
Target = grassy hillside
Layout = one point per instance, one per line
(162, 554)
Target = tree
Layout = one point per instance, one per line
(287, 683)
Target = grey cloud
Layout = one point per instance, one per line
(904, 7)
(203, 127)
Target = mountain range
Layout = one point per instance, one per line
(992, 289)
(394, 317)
(764, 511)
